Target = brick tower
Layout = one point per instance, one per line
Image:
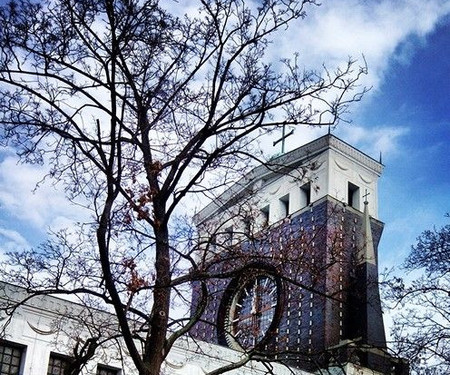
(291, 251)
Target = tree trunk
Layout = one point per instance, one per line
(155, 346)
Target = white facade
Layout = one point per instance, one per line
(35, 328)
(42, 327)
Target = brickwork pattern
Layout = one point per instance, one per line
(315, 255)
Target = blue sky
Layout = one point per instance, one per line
(415, 97)
(406, 116)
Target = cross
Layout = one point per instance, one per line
(283, 138)
(365, 197)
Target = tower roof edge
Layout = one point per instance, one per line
(286, 162)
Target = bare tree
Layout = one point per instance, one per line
(421, 329)
(135, 110)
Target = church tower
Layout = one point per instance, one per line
(291, 251)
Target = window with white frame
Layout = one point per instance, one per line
(353, 196)
(305, 195)
(265, 213)
(284, 201)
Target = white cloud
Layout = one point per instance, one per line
(41, 207)
(375, 140)
(338, 29)
(10, 240)
(13, 236)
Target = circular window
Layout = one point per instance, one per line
(251, 310)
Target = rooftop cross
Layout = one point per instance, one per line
(365, 197)
(283, 138)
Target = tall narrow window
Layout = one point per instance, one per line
(265, 215)
(10, 358)
(57, 364)
(247, 225)
(228, 236)
(284, 205)
(305, 191)
(213, 242)
(353, 196)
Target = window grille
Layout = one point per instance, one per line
(10, 358)
(57, 364)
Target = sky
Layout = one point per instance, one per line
(405, 116)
